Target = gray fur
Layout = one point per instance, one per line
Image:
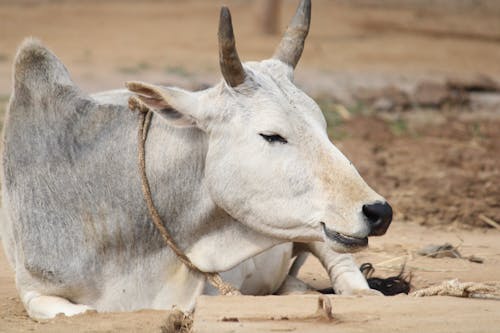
(71, 185)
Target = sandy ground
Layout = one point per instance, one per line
(366, 314)
(439, 170)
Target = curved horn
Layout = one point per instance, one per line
(230, 64)
(290, 48)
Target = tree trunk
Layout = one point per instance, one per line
(268, 13)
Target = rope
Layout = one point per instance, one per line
(145, 115)
(486, 290)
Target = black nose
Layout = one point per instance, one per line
(379, 216)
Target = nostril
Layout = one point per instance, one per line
(379, 216)
(371, 213)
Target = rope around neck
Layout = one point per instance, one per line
(145, 115)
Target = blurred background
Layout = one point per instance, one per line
(410, 88)
(104, 42)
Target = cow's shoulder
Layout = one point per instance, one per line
(112, 97)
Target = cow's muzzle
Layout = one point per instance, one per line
(345, 240)
(379, 217)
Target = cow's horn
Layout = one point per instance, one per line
(290, 48)
(230, 63)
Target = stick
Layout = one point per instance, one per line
(342, 111)
(485, 296)
(382, 263)
(489, 221)
(422, 269)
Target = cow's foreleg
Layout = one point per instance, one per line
(345, 276)
(293, 285)
(45, 307)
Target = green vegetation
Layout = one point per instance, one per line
(360, 109)
(177, 70)
(475, 129)
(398, 126)
(336, 114)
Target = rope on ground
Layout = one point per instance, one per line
(484, 290)
(145, 115)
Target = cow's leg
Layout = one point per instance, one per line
(41, 306)
(345, 276)
(293, 285)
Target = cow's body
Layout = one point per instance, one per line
(133, 260)
(79, 154)
(77, 230)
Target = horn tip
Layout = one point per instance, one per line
(308, 7)
(225, 13)
(305, 9)
(225, 24)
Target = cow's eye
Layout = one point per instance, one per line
(273, 138)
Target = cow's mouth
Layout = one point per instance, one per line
(345, 240)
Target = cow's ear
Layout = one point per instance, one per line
(178, 107)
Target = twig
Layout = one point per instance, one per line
(342, 111)
(489, 221)
(485, 296)
(382, 263)
(423, 269)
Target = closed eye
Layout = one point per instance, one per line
(273, 138)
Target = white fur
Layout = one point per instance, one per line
(77, 230)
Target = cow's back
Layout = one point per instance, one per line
(69, 167)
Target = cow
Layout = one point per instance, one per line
(243, 175)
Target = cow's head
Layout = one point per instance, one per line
(270, 163)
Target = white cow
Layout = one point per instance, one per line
(243, 174)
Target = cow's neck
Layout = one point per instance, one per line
(211, 238)
(225, 244)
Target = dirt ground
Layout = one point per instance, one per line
(440, 169)
(107, 42)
